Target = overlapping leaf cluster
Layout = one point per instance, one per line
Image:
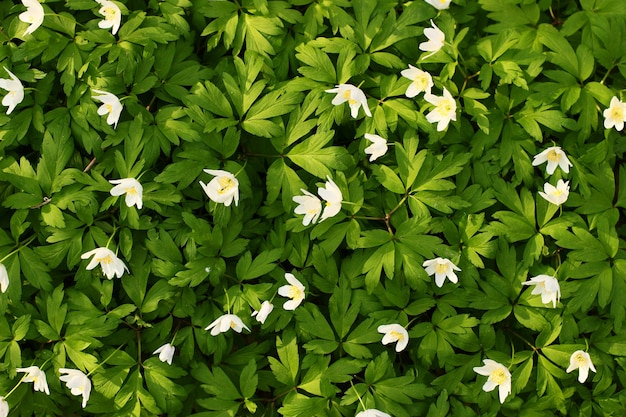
(240, 86)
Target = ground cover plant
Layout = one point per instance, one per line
(312, 208)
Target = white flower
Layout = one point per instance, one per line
(225, 322)
(4, 278)
(615, 115)
(33, 15)
(556, 195)
(394, 333)
(555, 157)
(547, 286)
(111, 105)
(333, 197)
(439, 4)
(77, 382)
(132, 189)
(224, 188)
(15, 90)
(37, 377)
(166, 353)
(111, 265)
(498, 375)
(421, 81)
(266, 309)
(444, 111)
(4, 407)
(582, 361)
(295, 291)
(309, 205)
(372, 412)
(436, 38)
(441, 268)
(378, 147)
(353, 95)
(112, 15)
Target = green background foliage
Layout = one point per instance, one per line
(240, 86)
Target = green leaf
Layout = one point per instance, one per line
(261, 265)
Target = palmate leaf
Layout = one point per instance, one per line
(312, 156)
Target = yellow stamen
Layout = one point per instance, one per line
(226, 184)
(553, 156)
(445, 107)
(580, 359)
(106, 260)
(398, 336)
(498, 376)
(441, 268)
(617, 113)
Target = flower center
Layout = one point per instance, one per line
(130, 190)
(553, 156)
(580, 360)
(445, 107)
(226, 184)
(557, 192)
(295, 292)
(397, 335)
(441, 268)
(106, 260)
(347, 94)
(109, 13)
(108, 107)
(232, 324)
(498, 376)
(421, 81)
(617, 113)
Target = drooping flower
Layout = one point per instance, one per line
(372, 412)
(225, 322)
(112, 15)
(4, 278)
(547, 286)
(132, 188)
(555, 157)
(166, 353)
(499, 376)
(441, 268)
(264, 311)
(332, 196)
(224, 188)
(353, 95)
(378, 147)
(582, 361)
(439, 4)
(15, 90)
(111, 265)
(33, 15)
(421, 81)
(111, 105)
(309, 205)
(444, 111)
(77, 382)
(294, 291)
(436, 39)
(4, 407)
(615, 115)
(556, 195)
(394, 333)
(37, 377)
